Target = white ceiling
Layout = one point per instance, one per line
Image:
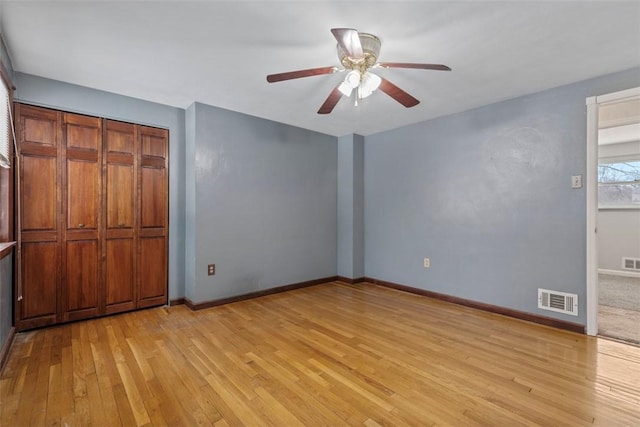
(219, 52)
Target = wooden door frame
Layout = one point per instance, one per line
(593, 103)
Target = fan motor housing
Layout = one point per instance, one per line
(371, 49)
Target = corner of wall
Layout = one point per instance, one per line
(190, 201)
(350, 206)
(358, 206)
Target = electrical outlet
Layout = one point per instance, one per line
(211, 269)
(427, 263)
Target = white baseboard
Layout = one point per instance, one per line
(619, 273)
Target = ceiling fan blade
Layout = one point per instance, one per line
(330, 102)
(411, 65)
(398, 94)
(349, 41)
(272, 78)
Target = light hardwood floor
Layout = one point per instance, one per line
(331, 354)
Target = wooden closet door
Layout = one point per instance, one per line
(120, 147)
(37, 296)
(82, 205)
(153, 190)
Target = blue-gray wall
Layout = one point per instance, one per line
(351, 206)
(270, 220)
(6, 297)
(190, 201)
(263, 203)
(64, 96)
(486, 195)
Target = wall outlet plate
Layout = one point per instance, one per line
(576, 181)
(427, 263)
(211, 269)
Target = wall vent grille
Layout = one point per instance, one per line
(631, 264)
(560, 302)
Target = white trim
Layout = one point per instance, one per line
(619, 208)
(592, 216)
(593, 103)
(617, 96)
(619, 273)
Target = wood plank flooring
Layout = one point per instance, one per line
(332, 354)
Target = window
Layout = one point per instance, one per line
(619, 183)
(6, 154)
(5, 131)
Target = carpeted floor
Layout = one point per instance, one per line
(618, 291)
(619, 323)
(619, 307)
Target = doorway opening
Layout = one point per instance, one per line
(613, 215)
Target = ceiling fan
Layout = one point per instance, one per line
(358, 53)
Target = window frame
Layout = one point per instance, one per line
(7, 176)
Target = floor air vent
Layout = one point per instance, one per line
(560, 302)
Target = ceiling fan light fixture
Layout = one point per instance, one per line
(358, 53)
(345, 89)
(370, 82)
(352, 78)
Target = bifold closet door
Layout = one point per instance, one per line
(120, 147)
(82, 177)
(93, 217)
(37, 294)
(154, 216)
